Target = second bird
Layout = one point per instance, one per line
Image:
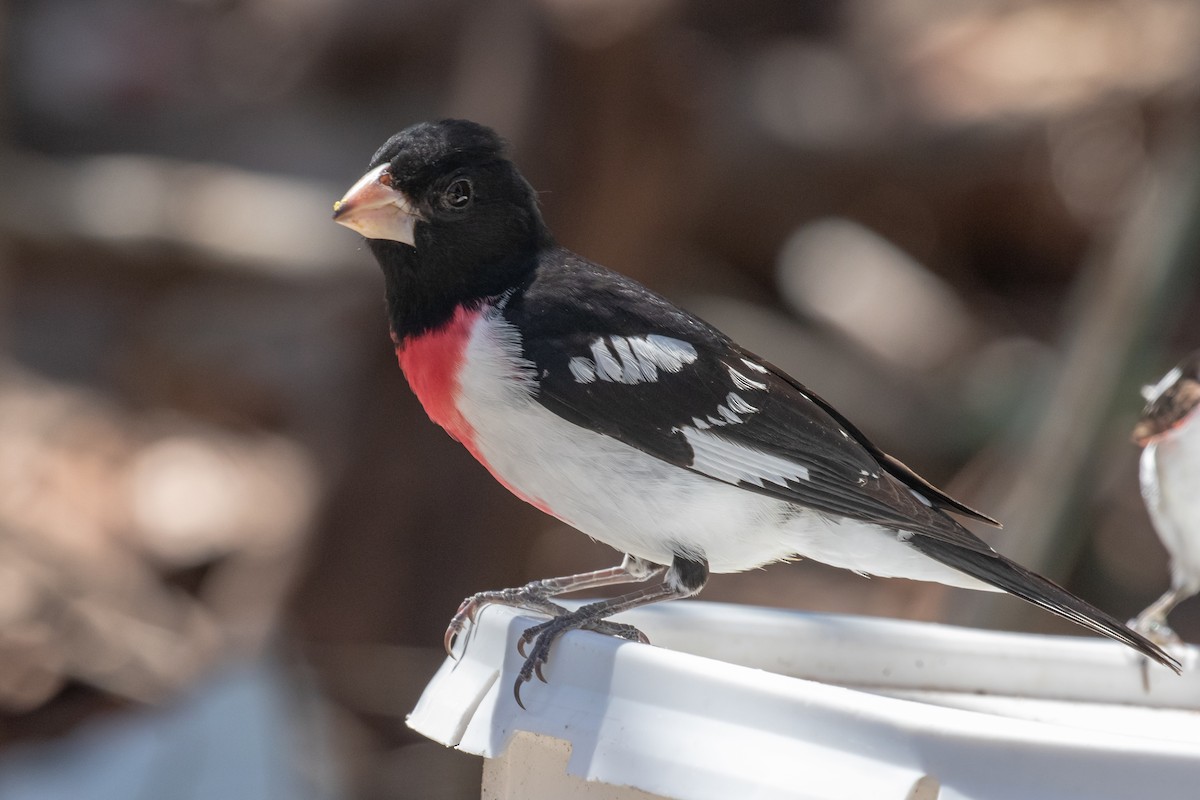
(1169, 432)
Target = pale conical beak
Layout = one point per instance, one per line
(376, 210)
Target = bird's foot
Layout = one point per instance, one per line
(1156, 629)
(531, 597)
(543, 635)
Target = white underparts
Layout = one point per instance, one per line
(1170, 473)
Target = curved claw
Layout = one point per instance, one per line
(529, 636)
(463, 617)
(517, 692)
(458, 623)
(450, 638)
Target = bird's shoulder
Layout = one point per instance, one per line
(567, 296)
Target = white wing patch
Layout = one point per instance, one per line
(756, 367)
(726, 414)
(607, 366)
(631, 367)
(631, 359)
(582, 369)
(720, 458)
(727, 460)
(742, 382)
(737, 405)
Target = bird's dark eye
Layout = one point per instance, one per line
(458, 194)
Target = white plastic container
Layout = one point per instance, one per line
(816, 706)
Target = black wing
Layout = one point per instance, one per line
(613, 357)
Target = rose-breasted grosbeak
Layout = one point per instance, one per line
(606, 406)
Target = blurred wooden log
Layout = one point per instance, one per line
(1123, 305)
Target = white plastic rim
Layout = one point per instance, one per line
(737, 701)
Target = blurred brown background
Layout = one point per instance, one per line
(229, 538)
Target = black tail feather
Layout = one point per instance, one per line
(1004, 574)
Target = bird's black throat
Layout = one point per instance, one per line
(423, 292)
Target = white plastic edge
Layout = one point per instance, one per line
(978, 714)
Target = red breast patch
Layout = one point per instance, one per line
(432, 362)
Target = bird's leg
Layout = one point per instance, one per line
(685, 578)
(1152, 622)
(535, 596)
